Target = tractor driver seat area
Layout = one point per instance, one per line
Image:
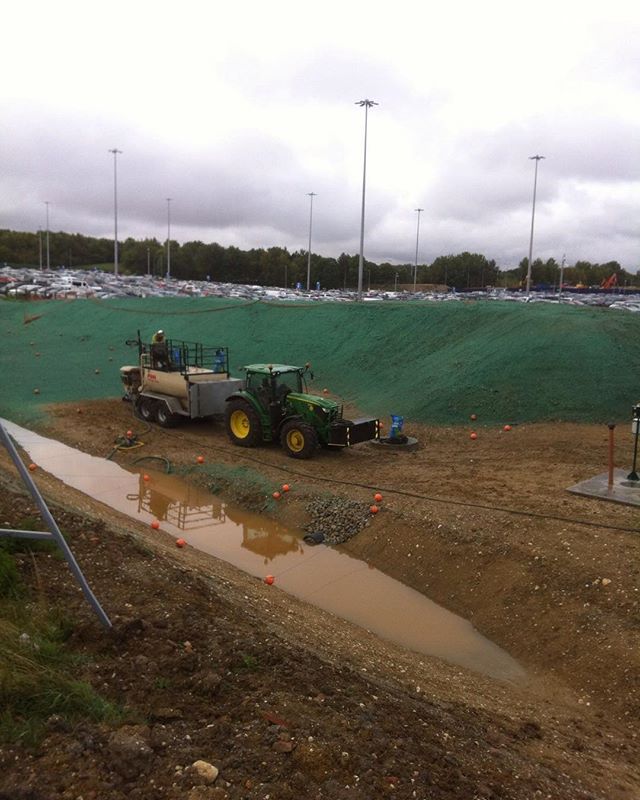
(281, 392)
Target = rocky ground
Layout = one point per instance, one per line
(286, 701)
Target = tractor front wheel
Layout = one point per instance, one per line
(298, 439)
(243, 424)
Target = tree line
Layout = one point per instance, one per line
(276, 266)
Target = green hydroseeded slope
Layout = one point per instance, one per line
(430, 362)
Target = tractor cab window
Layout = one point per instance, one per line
(260, 386)
(288, 382)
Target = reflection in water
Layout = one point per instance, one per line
(324, 576)
(172, 500)
(270, 541)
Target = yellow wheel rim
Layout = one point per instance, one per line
(295, 441)
(240, 424)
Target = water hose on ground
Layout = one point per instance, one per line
(166, 461)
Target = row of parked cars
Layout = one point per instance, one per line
(78, 284)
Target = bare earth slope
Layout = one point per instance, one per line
(300, 704)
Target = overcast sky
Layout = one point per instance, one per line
(237, 110)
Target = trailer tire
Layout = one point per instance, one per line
(243, 424)
(298, 439)
(164, 417)
(146, 409)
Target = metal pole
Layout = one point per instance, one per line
(367, 104)
(148, 261)
(168, 237)
(564, 259)
(115, 152)
(311, 195)
(611, 429)
(46, 202)
(54, 531)
(533, 215)
(415, 269)
(633, 475)
(40, 247)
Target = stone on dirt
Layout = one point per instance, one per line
(201, 773)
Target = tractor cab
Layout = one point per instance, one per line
(272, 383)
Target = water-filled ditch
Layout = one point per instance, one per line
(324, 576)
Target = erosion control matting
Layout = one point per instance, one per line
(427, 361)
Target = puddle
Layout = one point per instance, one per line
(324, 576)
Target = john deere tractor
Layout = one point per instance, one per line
(274, 406)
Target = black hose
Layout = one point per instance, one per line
(167, 463)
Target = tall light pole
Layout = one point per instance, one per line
(564, 261)
(168, 237)
(311, 195)
(415, 269)
(367, 105)
(115, 152)
(46, 202)
(533, 216)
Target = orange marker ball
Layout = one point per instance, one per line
(377, 497)
(181, 542)
(269, 579)
(32, 467)
(155, 524)
(285, 487)
(276, 495)
(507, 428)
(129, 434)
(145, 477)
(374, 509)
(474, 435)
(200, 459)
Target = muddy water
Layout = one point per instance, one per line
(324, 576)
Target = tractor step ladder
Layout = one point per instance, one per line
(53, 532)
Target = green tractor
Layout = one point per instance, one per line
(274, 406)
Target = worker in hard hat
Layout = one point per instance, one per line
(159, 351)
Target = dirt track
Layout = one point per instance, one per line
(531, 579)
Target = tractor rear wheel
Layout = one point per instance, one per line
(298, 439)
(243, 424)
